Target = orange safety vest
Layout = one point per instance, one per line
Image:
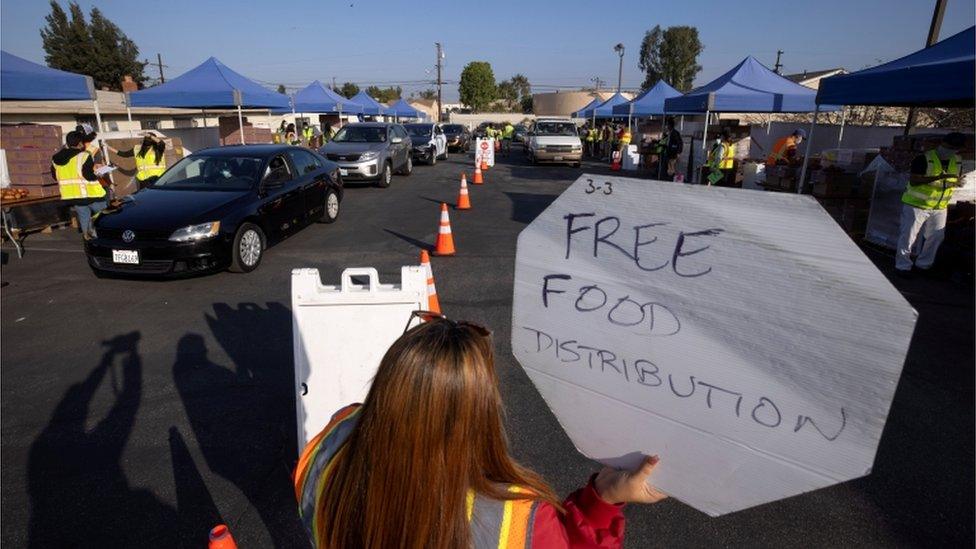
(782, 146)
(494, 523)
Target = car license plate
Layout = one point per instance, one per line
(130, 257)
(557, 158)
(343, 172)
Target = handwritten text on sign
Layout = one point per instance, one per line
(666, 318)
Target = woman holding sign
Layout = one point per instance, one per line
(424, 461)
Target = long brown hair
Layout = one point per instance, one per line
(431, 429)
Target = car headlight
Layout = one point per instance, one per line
(369, 155)
(196, 232)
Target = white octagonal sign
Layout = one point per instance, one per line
(740, 335)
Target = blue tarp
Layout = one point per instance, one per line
(22, 79)
(318, 99)
(211, 85)
(605, 109)
(369, 105)
(749, 87)
(648, 103)
(403, 109)
(940, 75)
(589, 106)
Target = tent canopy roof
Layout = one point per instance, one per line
(748, 87)
(940, 75)
(209, 85)
(650, 102)
(369, 105)
(402, 108)
(589, 106)
(605, 109)
(23, 79)
(317, 98)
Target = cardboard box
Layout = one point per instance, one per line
(126, 165)
(833, 183)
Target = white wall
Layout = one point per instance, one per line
(473, 120)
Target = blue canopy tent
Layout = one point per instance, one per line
(605, 109)
(403, 109)
(649, 103)
(317, 98)
(750, 86)
(589, 107)
(940, 75)
(369, 105)
(210, 85)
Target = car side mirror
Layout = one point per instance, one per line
(396, 140)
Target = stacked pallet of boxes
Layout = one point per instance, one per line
(837, 185)
(782, 178)
(230, 132)
(28, 150)
(123, 176)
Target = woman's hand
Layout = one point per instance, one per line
(616, 486)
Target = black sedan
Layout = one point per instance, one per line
(218, 208)
(458, 137)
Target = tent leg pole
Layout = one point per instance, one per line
(681, 123)
(204, 112)
(843, 118)
(806, 155)
(240, 122)
(697, 174)
(98, 125)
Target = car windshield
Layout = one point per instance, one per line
(453, 128)
(555, 128)
(202, 172)
(418, 130)
(361, 134)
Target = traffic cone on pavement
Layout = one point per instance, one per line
(220, 538)
(445, 240)
(478, 178)
(463, 201)
(433, 305)
(484, 164)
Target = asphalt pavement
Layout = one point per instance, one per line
(141, 413)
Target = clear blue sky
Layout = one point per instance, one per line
(563, 43)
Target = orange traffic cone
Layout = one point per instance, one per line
(220, 538)
(478, 178)
(445, 240)
(433, 305)
(463, 201)
(615, 165)
(484, 164)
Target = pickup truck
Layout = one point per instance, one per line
(554, 140)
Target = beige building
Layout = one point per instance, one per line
(566, 103)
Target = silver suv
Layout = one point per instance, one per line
(370, 151)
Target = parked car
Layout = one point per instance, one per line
(458, 137)
(521, 133)
(215, 209)
(554, 140)
(371, 151)
(429, 142)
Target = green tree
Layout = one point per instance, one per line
(670, 55)
(97, 48)
(385, 95)
(522, 86)
(477, 86)
(428, 94)
(348, 89)
(507, 93)
(527, 104)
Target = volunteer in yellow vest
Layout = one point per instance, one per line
(279, 135)
(508, 131)
(424, 461)
(785, 149)
(591, 136)
(291, 136)
(307, 135)
(625, 137)
(149, 157)
(934, 175)
(721, 160)
(74, 169)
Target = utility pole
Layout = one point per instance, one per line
(440, 107)
(934, 27)
(159, 63)
(778, 65)
(619, 48)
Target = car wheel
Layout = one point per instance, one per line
(433, 156)
(331, 211)
(387, 176)
(408, 167)
(249, 244)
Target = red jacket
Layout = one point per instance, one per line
(589, 522)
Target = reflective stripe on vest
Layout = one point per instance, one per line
(495, 524)
(934, 195)
(71, 181)
(591, 136)
(146, 166)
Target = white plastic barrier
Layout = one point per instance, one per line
(341, 333)
(485, 148)
(631, 158)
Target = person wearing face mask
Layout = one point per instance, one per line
(934, 176)
(149, 158)
(721, 159)
(784, 150)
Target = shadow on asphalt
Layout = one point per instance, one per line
(527, 206)
(411, 240)
(78, 489)
(243, 414)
